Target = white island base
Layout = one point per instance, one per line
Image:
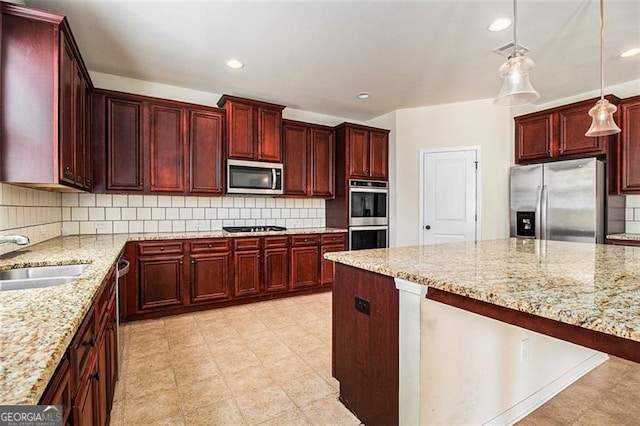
(457, 367)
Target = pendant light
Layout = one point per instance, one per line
(516, 87)
(602, 113)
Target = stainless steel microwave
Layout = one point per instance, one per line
(254, 177)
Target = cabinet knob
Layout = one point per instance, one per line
(67, 168)
(210, 245)
(193, 262)
(95, 376)
(161, 248)
(181, 262)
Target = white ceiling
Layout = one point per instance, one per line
(316, 56)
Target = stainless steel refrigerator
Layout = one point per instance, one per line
(564, 201)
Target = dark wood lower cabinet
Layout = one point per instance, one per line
(365, 347)
(84, 407)
(223, 271)
(58, 391)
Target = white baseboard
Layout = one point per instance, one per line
(530, 404)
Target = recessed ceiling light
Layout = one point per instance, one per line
(235, 64)
(629, 53)
(363, 95)
(500, 24)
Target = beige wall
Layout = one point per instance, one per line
(476, 123)
(29, 212)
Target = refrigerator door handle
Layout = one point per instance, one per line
(537, 214)
(543, 211)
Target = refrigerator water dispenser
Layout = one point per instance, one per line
(526, 224)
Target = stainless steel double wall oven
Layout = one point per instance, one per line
(368, 214)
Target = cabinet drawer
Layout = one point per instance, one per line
(81, 348)
(207, 246)
(304, 240)
(272, 242)
(160, 248)
(333, 238)
(246, 243)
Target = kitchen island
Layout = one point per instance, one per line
(474, 322)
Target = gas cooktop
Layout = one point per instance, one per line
(253, 228)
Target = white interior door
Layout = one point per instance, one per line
(449, 196)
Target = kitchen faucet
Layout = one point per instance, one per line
(15, 239)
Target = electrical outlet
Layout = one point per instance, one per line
(524, 350)
(101, 225)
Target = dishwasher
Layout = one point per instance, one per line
(123, 269)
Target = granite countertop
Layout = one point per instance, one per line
(596, 287)
(625, 237)
(37, 325)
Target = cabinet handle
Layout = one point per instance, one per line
(91, 342)
(95, 376)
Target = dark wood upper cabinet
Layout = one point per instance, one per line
(322, 167)
(253, 129)
(309, 152)
(559, 133)
(156, 146)
(44, 81)
(124, 145)
(630, 147)
(168, 148)
(534, 137)
(295, 140)
(358, 140)
(379, 156)
(363, 150)
(206, 129)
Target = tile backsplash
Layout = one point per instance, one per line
(632, 214)
(30, 212)
(106, 213)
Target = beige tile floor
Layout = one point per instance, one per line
(270, 363)
(262, 363)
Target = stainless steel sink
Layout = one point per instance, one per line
(33, 283)
(39, 276)
(43, 272)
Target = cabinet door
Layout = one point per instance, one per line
(240, 131)
(66, 123)
(276, 265)
(79, 99)
(573, 123)
(321, 166)
(358, 153)
(246, 280)
(205, 146)
(161, 280)
(167, 149)
(534, 137)
(124, 145)
(111, 351)
(379, 155)
(58, 391)
(210, 277)
(101, 381)
(630, 167)
(327, 272)
(86, 156)
(84, 405)
(305, 267)
(295, 159)
(269, 130)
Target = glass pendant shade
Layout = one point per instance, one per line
(602, 124)
(516, 87)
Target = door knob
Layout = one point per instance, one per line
(427, 227)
